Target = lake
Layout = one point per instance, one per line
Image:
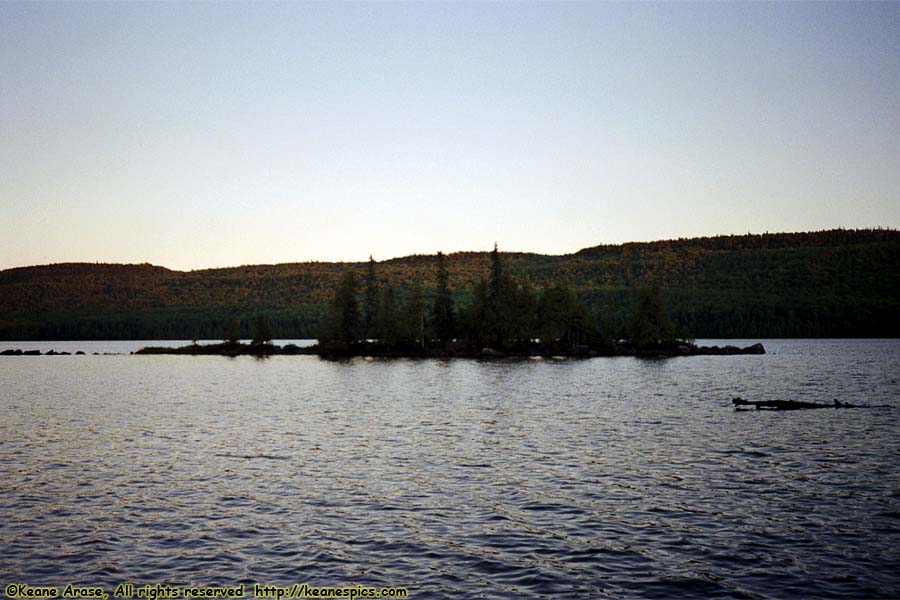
(529, 478)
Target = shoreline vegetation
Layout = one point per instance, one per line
(825, 284)
(505, 317)
(500, 309)
(376, 350)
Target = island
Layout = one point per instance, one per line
(460, 350)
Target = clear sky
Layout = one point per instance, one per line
(194, 135)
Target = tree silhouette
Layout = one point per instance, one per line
(413, 317)
(342, 325)
(443, 313)
(370, 300)
(233, 335)
(502, 309)
(517, 312)
(263, 333)
(554, 310)
(474, 315)
(563, 320)
(650, 323)
(387, 323)
(495, 289)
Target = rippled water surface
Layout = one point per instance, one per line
(611, 477)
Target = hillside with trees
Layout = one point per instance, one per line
(838, 283)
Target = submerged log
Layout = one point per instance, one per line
(787, 404)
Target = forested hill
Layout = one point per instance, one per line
(823, 284)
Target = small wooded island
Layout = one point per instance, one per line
(504, 318)
(375, 349)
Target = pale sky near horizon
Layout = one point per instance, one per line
(196, 135)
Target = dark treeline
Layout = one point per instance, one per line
(503, 312)
(169, 325)
(839, 283)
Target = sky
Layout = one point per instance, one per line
(194, 135)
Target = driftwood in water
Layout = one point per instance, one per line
(787, 404)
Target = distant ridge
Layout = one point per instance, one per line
(833, 283)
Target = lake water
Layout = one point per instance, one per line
(608, 477)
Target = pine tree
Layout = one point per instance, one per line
(650, 323)
(495, 300)
(387, 324)
(518, 312)
(582, 329)
(443, 314)
(474, 315)
(563, 320)
(233, 335)
(413, 316)
(554, 309)
(263, 334)
(496, 281)
(370, 307)
(342, 324)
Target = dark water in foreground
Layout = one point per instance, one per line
(457, 479)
